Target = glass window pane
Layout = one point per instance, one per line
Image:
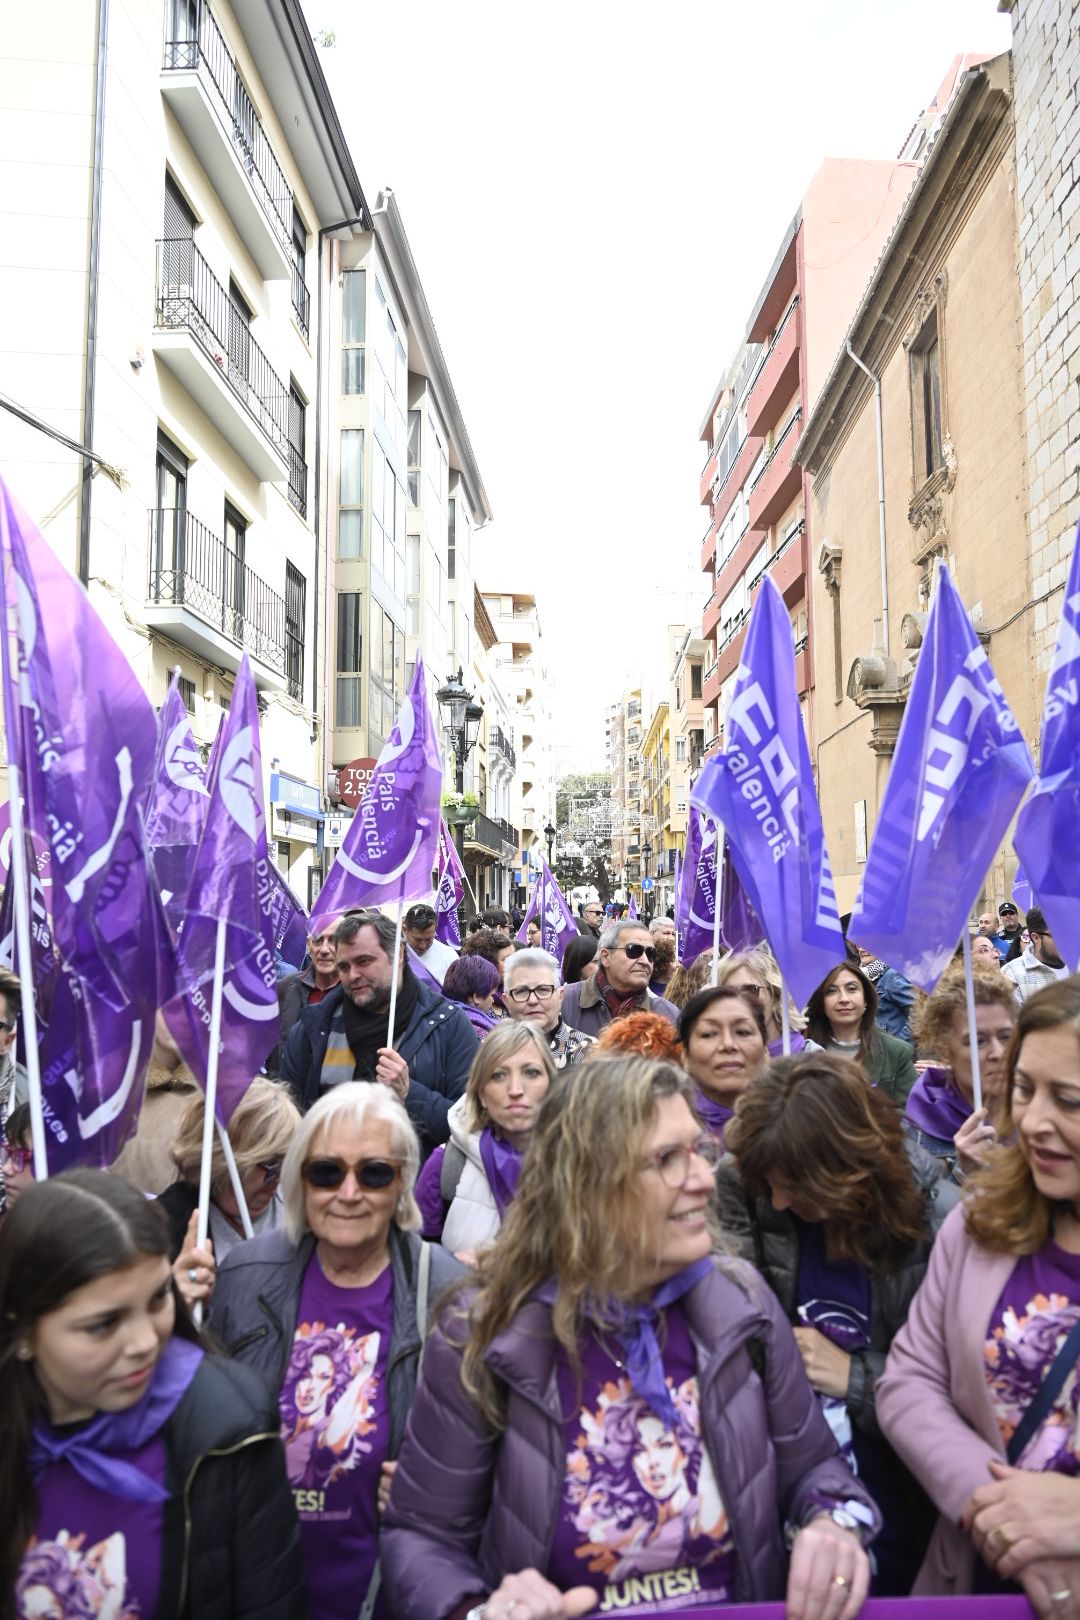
(348, 631)
(351, 485)
(388, 650)
(350, 534)
(353, 300)
(352, 380)
(413, 557)
(348, 700)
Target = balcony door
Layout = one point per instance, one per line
(176, 249)
(232, 585)
(168, 528)
(181, 33)
(239, 338)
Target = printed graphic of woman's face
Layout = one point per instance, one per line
(313, 1389)
(659, 1460)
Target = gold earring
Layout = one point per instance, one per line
(23, 1352)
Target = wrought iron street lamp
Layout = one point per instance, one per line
(549, 834)
(646, 852)
(461, 722)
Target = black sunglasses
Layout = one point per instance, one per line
(326, 1174)
(635, 951)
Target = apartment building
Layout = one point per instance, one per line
(168, 186)
(626, 731)
(938, 329)
(520, 672)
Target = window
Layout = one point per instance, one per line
(239, 336)
(390, 378)
(295, 610)
(695, 681)
(351, 494)
(387, 524)
(680, 750)
(414, 458)
(176, 269)
(925, 361)
(186, 690)
(353, 326)
(301, 299)
(451, 541)
(232, 585)
(680, 802)
(412, 584)
(349, 647)
(297, 464)
(387, 672)
(169, 524)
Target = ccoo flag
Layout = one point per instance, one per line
(739, 927)
(959, 771)
(177, 805)
(1047, 837)
(761, 790)
(548, 906)
(695, 901)
(230, 881)
(389, 852)
(83, 733)
(449, 889)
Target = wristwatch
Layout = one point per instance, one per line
(852, 1515)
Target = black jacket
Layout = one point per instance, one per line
(438, 1044)
(231, 1542)
(770, 1239)
(293, 993)
(257, 1295)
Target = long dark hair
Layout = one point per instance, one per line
(818, 1027)
(61, 1235)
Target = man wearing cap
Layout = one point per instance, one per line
(1008, 932)
(1040, 964)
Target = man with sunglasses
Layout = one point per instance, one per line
(533, 991)
(345, 1037)
(621, 983)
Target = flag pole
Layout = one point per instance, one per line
(234, 1177)
(203, 1227)
(18, 875)
(718, 890)
(396, 974)
(785, 1018)
(969, 987)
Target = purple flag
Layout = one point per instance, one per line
(695, 899)
(761, 790)
(231, 881)
(1022, 892)
(632, 910)
(289, 925)
(740, 929)
(959, 771)
(83, 733)
(389, 848)
(1047, 837)
(449, 889)
(557, 925)
(177, 806)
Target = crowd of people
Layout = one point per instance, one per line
(574, 1291)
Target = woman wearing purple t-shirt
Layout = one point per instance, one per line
(615, 1416)
(1000, 1299)
(138, 1475)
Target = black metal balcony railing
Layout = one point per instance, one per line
(192, 568)
(486, 832)
(298, 480)
(501, 742)
(209, 55)
(190, 295)
(792, 425)
(509, 832)
(301, 300)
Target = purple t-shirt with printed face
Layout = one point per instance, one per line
(642, 1519)
(335, 1424)
(1038, 1308)
(93, 1553)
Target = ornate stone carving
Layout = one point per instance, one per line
(830, 562)
(927, 299)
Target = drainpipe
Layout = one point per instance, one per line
(880, 494)
(90, 366)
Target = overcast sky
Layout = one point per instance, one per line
(594, 193)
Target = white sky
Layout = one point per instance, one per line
(594, 193)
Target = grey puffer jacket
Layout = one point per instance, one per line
(257, 1295)
(770, 1239)
(470, 1505)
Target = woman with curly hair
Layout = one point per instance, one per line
(838, 1213)
(644, 1033)
(687, 981)
(616, 1415)
(841, 1016)
(980, 1392)
(940, 1112)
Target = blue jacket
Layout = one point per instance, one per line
(895, 996)
(438, 1044)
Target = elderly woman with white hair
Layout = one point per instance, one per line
(332, 1310)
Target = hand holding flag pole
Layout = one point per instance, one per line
(969, 988)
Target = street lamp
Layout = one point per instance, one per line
(549, 834)
(646, 851)
(461, 721)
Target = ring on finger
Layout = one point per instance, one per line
(999, 1540)
(193, 1273)
(1061, 1597)
(840, 1580)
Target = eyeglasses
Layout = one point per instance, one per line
(542, 992)
(754, 990)
(17, 1158)
(673, 1164)
(328, 1174)
(271, 1169)
(636, 951)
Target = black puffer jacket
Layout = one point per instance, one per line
(770, 1239)
(231, 1542)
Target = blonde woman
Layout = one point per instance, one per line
(756, 973)
(465, 1188)
(260, 1131)
(615, 1416)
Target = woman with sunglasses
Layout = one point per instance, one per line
(616, 1416)
(620, 984)
(756, 973)
(260, 1130)
(327, 1309)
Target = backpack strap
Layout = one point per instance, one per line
(453, 1167)
(1051, 1386)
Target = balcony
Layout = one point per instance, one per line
(708, 548)
(710, 614)
(204, 92)
(301, 300)
(486, 840)
(203, 596)
(215, 358)
(710, 690)
(298, 480)
(738, 473)
(500, 742)
(787, 565)
(778, 378)
(779, 481)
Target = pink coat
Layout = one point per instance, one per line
(933, 1400)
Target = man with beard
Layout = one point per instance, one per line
(1040, 964)
(345, 1036)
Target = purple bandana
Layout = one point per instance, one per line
(715, 1115)
(936, 1104)
(634, 1326)
(502, 1166)
(90, 1448)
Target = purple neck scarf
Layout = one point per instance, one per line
(90, 1448)
(502, 1166)
(798, 1042)
(634, 1326)
(936, 1104)
(714, 1114)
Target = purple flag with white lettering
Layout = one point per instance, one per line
(960, 769)
(231, 880)
(548, 905)
(449, 889)
(289, 926)
(740, 929)
(1047, 837)
(695, 901)
(632, 911)
(761, 790)
(177, 806)
(82, 730)
(389, 848)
